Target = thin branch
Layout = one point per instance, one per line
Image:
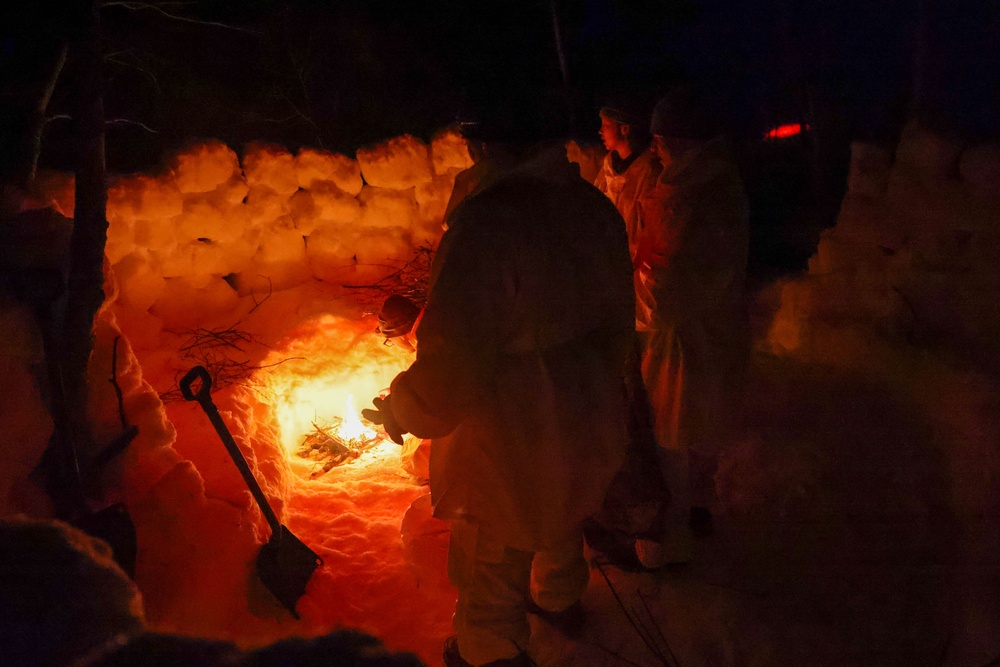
(114, 382)
(60, 116)
(126, 121)
(250, 115)
(38, 118)
(642, 624)
(128, 432)
(112, 58)
(633, 621)
(302, 115)
(270, 293)
(656, 626)
(136, 6)
(409, 280)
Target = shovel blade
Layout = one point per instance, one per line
(285, 565)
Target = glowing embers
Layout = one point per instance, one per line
(321, 367)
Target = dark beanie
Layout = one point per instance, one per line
(682, 115)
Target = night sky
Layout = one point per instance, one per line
(339, 75)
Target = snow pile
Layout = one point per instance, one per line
(901, 297)
(914, 250)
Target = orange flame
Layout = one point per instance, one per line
(325, 366)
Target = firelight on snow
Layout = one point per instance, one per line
(312, 388)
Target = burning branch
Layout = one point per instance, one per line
(326, 445)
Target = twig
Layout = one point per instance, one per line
(409, 280)
(126, 121)
(656, 626)
(213, 349)
(270, 293)
(128, 432)
(114, 382)
(113, 58)
(136, 6)
(647, 634)
(634, 622)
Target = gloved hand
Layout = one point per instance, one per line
(384, 417)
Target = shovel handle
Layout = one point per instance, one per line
(197, 373)
(204, 398)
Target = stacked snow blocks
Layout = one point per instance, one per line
(914, 254)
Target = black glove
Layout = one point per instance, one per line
(383, 416)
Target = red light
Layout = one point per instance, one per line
(786, 130)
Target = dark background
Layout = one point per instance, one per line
(340, 75)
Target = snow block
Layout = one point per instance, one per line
(313, 167)
(183, 305)
(869, 171)
(143, 197)
(265, 205)
(450, 152)
(140, 280)
(204, 167)
(930, 155)
(272, 167)
(385, 208)
(331, 252)
(432, 198)
(324, 203)
(280, 261)
(400, 163)
(203, 219)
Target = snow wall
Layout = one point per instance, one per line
(903, 294)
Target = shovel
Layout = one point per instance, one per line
(284, 564)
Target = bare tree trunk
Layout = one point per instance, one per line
(561, 53)
(85, 286)
(921, 59)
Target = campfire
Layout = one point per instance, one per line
(317, 387)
